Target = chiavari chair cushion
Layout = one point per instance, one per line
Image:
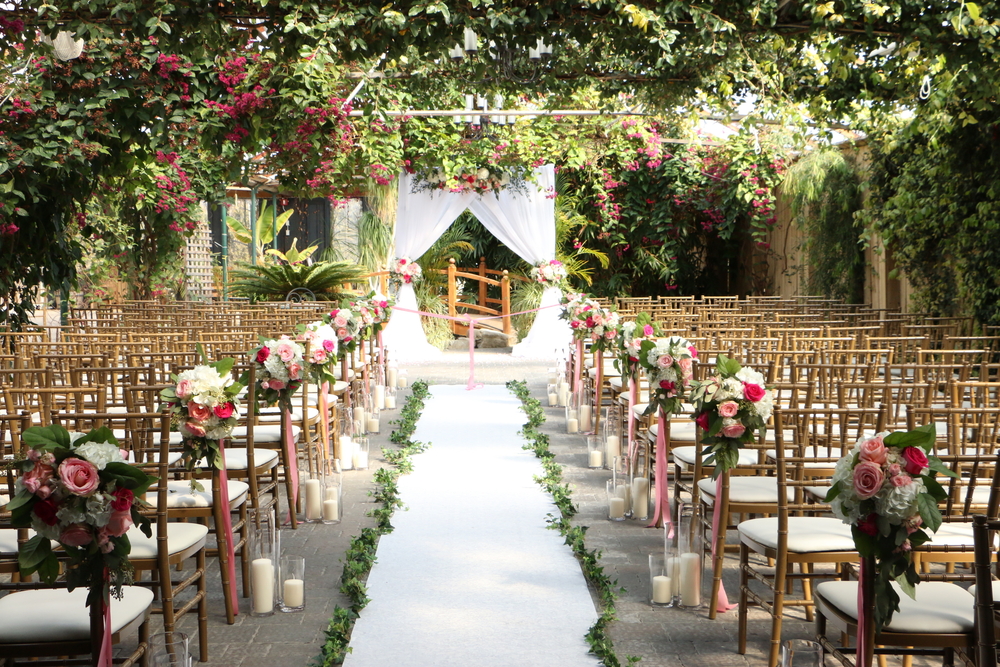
(745, 489)
(56, 614)
(806, 534)
(180, 494)
(236, 458)
(181, 536)
(273, 414)
(264, 434)
(680, 431)
(684, 456)
(940, 607)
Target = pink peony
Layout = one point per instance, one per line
(75, 535)
(79, 477)
(198, 411)
(915, 460)
(734, 430)
(873, 450)
(285, 351)
(224, 411)
(868, 479)
(753, 392)
(901, 479)
(119, 523)
(648, 330)
(184, 388)
(729, 409)
(263, 353)
(192, 429)
(37, 479)
(666, 361)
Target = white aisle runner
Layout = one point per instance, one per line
(471, 576)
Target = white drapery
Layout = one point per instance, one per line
(524, 222)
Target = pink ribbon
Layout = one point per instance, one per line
(324, 410)
(293, 461)
(104, 658)
(578, 367)
(633, 396)
(227, 527)
(472, 336)
(662, 512)
(722, 600)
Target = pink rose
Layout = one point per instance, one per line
(753, 392)
(224, 411)
(342, 333)
(693, 351)
(329, 345)
(916, 460)
(119, 523)
(873, 450)
(729, 409)
(901, 479)
(666, 361)
(192, 429)
(868, 479)
(277, 385)
(340, 321)
(104, 541)
(609, 335)
(733, 430)
(913, 524)
(37, 479)
(685, 365)
(34, 455)
(575, 324)
(79, 477)
(668, 386)
(648, 330)
(184, 388)
(319, 356)
(75, 535)
(895, 469)
(285, 351)
(294, 371)
(263, 353)
(198, 411)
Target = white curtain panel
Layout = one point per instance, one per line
(421, 219)
(526, 223)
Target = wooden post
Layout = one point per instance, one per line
(508, 328)
(452, 288)
(482, 285)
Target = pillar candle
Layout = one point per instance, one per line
(640, 497)
(380, 397)
(359, 415)
(390, 402)
(346, 453)
(690, 571)
(563, 396)
(402, 382)
(360, 459)
(391, 376)
(359, 427)
(293, 593)
(584, 417)
(596, 458)
(614, 447)
(314, 499)
(662, 590)
(553, 400)
(625, 493)
(674, 572)
(331, 509)
(262, 578)
(373, 424)
(572, 425)
(616, 508)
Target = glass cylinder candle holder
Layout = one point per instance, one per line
(311, 488)
(402, 380)
(616, 501)
(379, 396)
(345, 452)
(572, 421)
(585, 411)
(390, 397)
(621, 473)
(553, 375)
(332, 495)
(293, 588)
(563, 393)
(391, 376)
(690, 555)
(640, 497)
(263, 564)
(551, 392)
(374, 420)
(595, 452)
(360, 455)
(661, 583)
(612, 435)
(169, 649)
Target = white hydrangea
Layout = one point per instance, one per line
(731, 389)
(750, 376)
(900, 502)
(69, 513)
(629, 328)
(846, 508)
(100, 453)
(98, 509)
(765, 406)
(276, 368)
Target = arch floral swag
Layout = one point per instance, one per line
(523, 220)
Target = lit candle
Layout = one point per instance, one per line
(690, 572)
(391, 376)
(640, 497)
(572, 425)
(596, 458)
(380, 397)
(616, 508)
(614, 447)
(390, 402)
(584, 417)
(293, 593)
(262, 578)
(331, 509)
(662, 590)
(553, 400)
(314, 499)
(373, 424)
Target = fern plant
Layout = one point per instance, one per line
(327, 281)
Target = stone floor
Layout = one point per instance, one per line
(660, 637)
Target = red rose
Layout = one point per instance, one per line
(667, 385)
(753, 392)
(263, 353)
(868, 526)
(46, 511)
(123, 500)
(702, 420)
(224, 411)
(916, 460)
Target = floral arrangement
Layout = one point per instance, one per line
(631, 335)
(347, 324)
(374, 311)
(404, 270)
(280, 369)
(885, 489)
(480, 181)
(732, 408)
(205, 405)
(551, 273)
(322, 353)
(78, 490)
(585, 315)
(669, 366)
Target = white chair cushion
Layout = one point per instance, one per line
(819, 452)
(609, 372)
(264, 433)
(172, 457)
(336, 374)
(940, 607)
(996, 590)
(806, 534)
(49, 615)
(336, 387)
(236, 458)
(175, 437)
(180, 495)
(684, 455)
(180, 537)
(682, 430)
(746, 489)
(274, 414)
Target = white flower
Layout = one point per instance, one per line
(629, 328)
(750, 376)
(98, 509)
(846, 508)
(70, 513)
(765, 406)
(483, 174)
(99, 453)
(898, 503)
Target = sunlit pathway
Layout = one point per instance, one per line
(471, 575)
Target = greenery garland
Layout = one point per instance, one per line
(607, 590)
(360, 554)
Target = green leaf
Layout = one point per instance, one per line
(102, 434)
(46, 437)
(224, 366)
(33, 552)
(934, 488)
(833, 492)
(935, 464)
(929, 511)
(922, 436)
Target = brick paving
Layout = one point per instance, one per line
(661, 637)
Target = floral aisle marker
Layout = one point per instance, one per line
(886, 490)
(321, 358)
(78, 490)
(550, 273)
(631, 336)
(404, 270)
